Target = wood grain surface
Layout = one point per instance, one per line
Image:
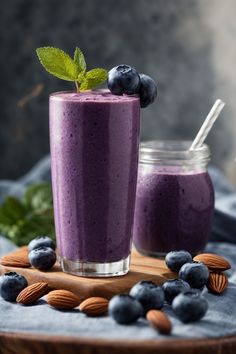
(142, 268)
(21, 343)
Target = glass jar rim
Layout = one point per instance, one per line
(154, 151)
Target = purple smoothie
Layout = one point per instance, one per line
(173, 211)
(94, 138)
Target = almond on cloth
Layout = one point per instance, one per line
(159, 320)
(94, 306)
(32, 293)
(214, 262)
(63, 299)
(217, 283)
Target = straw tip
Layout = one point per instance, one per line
(220, 102)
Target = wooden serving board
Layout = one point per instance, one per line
(142, 268)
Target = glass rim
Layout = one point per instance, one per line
(176, 150)
(57, 95)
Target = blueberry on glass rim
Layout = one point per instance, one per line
(147, 90)
(150, 295)
(11, 285)
(124, 309)
(190, 306)
(123, 79)
(41, 241)
(42, 258)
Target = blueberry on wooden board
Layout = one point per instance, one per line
(41, 241)
(42, 258)
(175, 259)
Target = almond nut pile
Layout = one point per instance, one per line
(217, 281)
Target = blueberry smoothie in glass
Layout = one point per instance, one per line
(174, 200)
(94, 143)
(94, 139)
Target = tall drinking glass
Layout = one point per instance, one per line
(94, 141)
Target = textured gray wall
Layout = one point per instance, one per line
(186, 45)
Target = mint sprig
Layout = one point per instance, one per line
(61, 65)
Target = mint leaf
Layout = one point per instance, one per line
(11, 211)
(38, 197)
(58, 63)
(24, 230)
(93, 78)
(22, 220)
(79, 60)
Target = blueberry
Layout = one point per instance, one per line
(195, 273)
(11, 285)
(123, 79)
(190, 306)
(173, 287)
(42, 258)
(175, 259)
(124, 309)
(41, 241)
(148, 294)
(147, 90)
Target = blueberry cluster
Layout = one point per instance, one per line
(123, 79)
(41, 256)
(183, 294)
(143, 296)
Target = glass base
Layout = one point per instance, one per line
(95, 269)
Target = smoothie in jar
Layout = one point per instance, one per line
(175, 199)
(94, 139)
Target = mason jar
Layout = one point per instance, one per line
(174, 199)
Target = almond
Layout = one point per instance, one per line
(94, 306)
(159, 320)
(217, 283)
(213, 261)
(32, 293)
(18, 258)
(63, 299)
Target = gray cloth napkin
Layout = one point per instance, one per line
(220, 319)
